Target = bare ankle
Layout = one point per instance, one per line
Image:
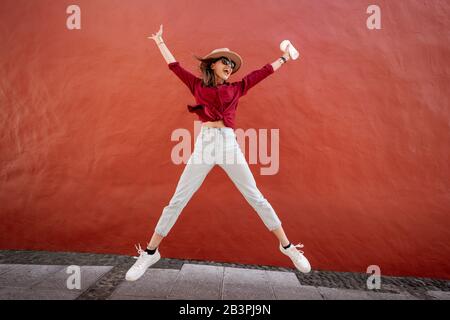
(285, 244)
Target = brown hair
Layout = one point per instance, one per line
(208, 76)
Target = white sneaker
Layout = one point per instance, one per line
(144, 261)
(297, 257)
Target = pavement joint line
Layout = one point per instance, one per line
(173, 284)
(222, 284)
(105, 286)
(321, 294)
(271, 284)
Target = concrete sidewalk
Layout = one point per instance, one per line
(181, 280)
(200, 282)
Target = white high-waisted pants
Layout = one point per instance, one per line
(216, 146)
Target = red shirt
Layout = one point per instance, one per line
(218, 103)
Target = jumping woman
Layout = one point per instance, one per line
(216, 100)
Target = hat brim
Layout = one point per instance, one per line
(233, 56)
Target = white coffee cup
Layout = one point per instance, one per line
(293, 53)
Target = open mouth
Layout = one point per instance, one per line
(227, 72)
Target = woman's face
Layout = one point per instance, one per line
(222, 69)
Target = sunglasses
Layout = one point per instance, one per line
(228, 62)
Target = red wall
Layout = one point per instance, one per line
(86, 118)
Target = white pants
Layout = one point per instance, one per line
(216, 146)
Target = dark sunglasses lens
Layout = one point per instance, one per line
(227, 62)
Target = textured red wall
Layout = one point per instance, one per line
(86, 118)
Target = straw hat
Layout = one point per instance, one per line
(225, 52)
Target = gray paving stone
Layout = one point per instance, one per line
(282, 279)
(245, 284)
(245, 276)
(287, 287)
(298, 293)
(25, 276)
(124, 297)
(440, 295)
(402, 295)
(391, 296)
(6, 267)
(155, 283)
(242, 292)
(89, 275)
(11, 293)
(343, 294)
(198, 282)
(18, 279)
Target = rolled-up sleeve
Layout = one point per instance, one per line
(254, 78)
(188, 78)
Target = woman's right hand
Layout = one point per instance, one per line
(162, 46)
(157, 36)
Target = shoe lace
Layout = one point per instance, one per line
(300, 245)
(140, 262)
(139, 250)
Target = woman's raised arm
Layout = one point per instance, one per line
(162, 46)
(279, 62)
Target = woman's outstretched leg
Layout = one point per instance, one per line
(190, 181)
(239, 172)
